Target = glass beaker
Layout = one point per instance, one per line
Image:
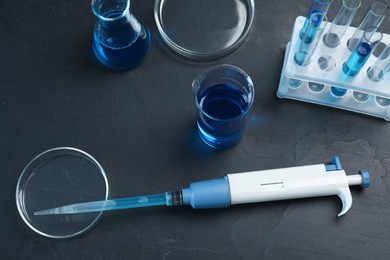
(223, 95)
(373, 18)
(120, 41)
(341, 22)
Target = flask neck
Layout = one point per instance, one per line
(111, 13)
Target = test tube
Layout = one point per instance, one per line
(378, 71)
(359, 56)
(373, 18)
(381, 67)
(317, 23)
(318, 6)
(341, 22)
(362, 51)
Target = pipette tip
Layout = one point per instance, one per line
(42, 212)
(60, 210)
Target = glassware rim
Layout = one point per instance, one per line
(351, 8)
(196, 55)
(110, 19)
(323, 23)
(381, 9)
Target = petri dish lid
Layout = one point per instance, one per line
(204, 29)
(59, 177)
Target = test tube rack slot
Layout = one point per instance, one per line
(324, 77)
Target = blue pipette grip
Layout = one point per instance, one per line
(208, 194)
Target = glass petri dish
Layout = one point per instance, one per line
(59, 177)
(204, 29)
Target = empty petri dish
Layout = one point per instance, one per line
(58, 177)
(203, 29)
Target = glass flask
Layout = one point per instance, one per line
(120, 40)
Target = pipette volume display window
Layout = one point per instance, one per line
(203, 29)
(55, 178)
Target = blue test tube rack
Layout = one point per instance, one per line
(313, 74)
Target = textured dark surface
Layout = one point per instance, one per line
(140, 125)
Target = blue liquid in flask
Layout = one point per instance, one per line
(121, 43)
(357, 59)
(222, 122)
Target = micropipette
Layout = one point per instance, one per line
(239, 188)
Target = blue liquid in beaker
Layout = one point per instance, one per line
(117, 45)
(357, 59)
(221, 124)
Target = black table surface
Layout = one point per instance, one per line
(140, 125)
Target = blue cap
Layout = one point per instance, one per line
(365, 178)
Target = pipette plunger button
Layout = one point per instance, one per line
(365, 178)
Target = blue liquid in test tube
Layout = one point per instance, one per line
(318, 6)
(311, 36)
(300, 57)
(357, 59)
(311, 33)
(362, 51)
